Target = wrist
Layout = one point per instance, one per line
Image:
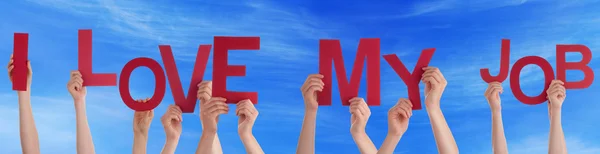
(395, 135)
(209, 131)
(172, 140)
(245, 136)
(496, 110)
(358, 132)
(24, 93)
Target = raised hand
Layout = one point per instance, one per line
(311, 86)
(11, 66)
(492, 94)
(210, 111)
(435, 83)
(142, 119)
(76, 88)
(171, 121)
(360, 115)
(398, 117)
(556, 93)
(247, 114)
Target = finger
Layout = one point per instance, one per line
(309, 78)
(312, 83)
(217, 107)
(10, 63)
(204, 88)
(75, 73)
(313, 88)
(30, 71)
(430, 80)
(364, 108)
(357, 113)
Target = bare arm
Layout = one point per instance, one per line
(247, 114)
(398, 119)
(171, 121)
(556, 96)
(360, 116)
(306, 141)
(206, 142)
(435, 83)
(141, 127)
(30, 143)
(85, 144)
(492, 95)
(209, 112)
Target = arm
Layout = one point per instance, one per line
(204, 94)
(247, 116)
(398, 118)
(306, 141)
(556, 96)
(30, 143)
(75, 86)
(435, 83)
(210, 110)
(360, 115)
(141, 126)
(492, 95)
(171, 121)
(85, 144)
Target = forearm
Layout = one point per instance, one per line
(498, 139)
(389, 144)
(443, 136)
(206, 142)
(85, 144)
(28, 132)
(140, 142)
(306, 141)
(557, 136)
(364, 143)
(251, 144)
(216, 144)
(170, 146)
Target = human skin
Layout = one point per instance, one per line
(247, 114)
(435, 83)
(306, 141)
(556, 96)
(141, 126)
(85, 144)
(210, 112)
(398, 119)
(171, 122)
(360, 116)
(29, 136)
(204, 94)
(492, 95)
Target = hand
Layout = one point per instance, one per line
(171, 121)
(309, 91)
(492, 94)
(142, 119)
(210, 111)
(11, 66)
(360, 115)
(247, 114)
(204, 94)
(76, 87)
(398, 117)
(556, 94)
(435, 83)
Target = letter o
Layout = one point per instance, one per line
(515, 84)
(159, 91)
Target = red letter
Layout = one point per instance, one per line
(411, 80)
(187, 104)
(515, 84)
(330, 50)
(504, 65)
(85, 63)
(159, 91)
(19, 72)
(221, 69)
(562, 65)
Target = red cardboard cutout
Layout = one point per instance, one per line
(331, 50)
(411, 80)
(515, 84)
(187, 104)
(504, 65)
(85, 63)
(20, 51)
(221, 69)
(562, 66)
(159, 91)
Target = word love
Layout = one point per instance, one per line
(187, 104)
(561, 67)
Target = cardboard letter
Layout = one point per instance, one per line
(159, 91)
(20, 55)
(504, 65)
(411, 80)
(562, 66)
(221, 70)
(515, 84)
(85, 63)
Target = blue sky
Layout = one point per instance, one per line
(467, 35)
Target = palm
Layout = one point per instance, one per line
(174, 128)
